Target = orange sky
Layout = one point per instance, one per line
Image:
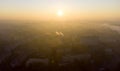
(46, 10)
(66, 16)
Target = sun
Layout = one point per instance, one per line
(60, 13)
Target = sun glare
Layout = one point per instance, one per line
(60, 13)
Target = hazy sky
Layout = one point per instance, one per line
(72, 9)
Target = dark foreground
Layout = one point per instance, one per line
(59, 46)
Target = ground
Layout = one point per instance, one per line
(82, 46)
